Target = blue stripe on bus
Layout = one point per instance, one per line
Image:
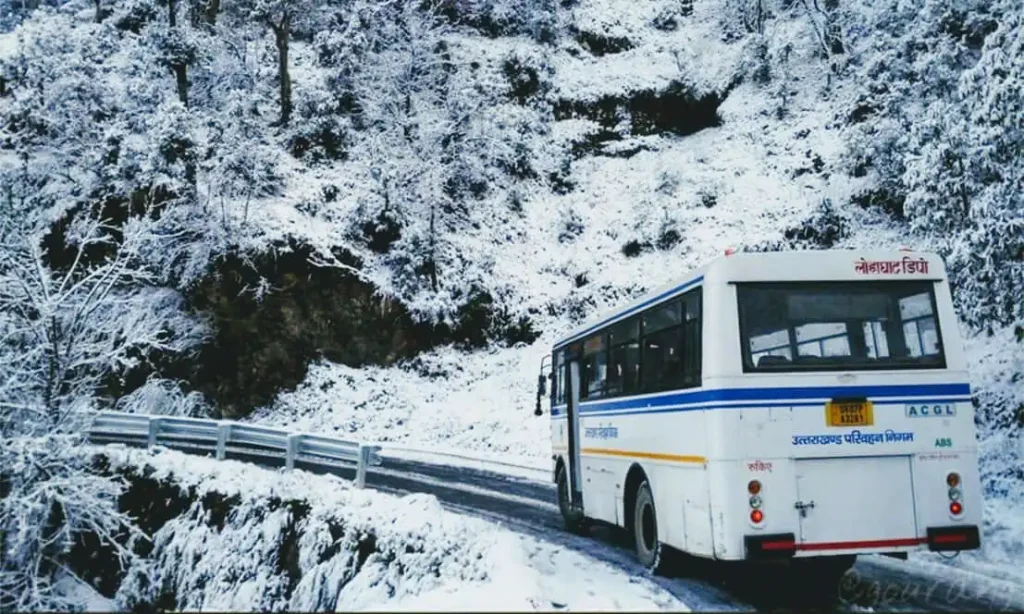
(630, 312)
(776, 397)
(665, 410)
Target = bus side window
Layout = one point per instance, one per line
(661, 360)
(623, 358)
(558, 384)
(594, 366)
(919, 328)
(691, 342)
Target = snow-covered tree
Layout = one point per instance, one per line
(442, 143)
(74, 315)
(66, 331)
(283, 18)
(50, 500)
(178, 48)
(938, 127)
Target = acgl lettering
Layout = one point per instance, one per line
(931, 411)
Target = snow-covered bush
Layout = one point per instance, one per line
(997, 371)
(48, 501)
(160, 396)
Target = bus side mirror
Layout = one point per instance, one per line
(541, 389)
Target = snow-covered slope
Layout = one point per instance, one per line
(722, 187)
(302, 542)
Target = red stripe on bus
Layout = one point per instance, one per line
(779, 545)
(876, 543)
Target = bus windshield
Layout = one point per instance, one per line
(839, 326)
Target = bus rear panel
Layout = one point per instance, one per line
(858, 435)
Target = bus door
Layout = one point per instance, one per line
(572, 404)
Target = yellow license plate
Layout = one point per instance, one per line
(849, 413)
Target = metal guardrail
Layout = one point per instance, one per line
(223, 438)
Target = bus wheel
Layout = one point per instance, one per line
(645, 529)
(575, 522)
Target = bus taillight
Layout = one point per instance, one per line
(955, 508)
(756, 516)
(953, 479)
(754, 487)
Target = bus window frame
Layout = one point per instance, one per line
(687, 380)
(680, 301)
(928, 286)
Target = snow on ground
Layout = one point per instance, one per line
(539, 471)
(8, 45)
(84, 595)
(423, 557)
(984, 584)
(480, 402)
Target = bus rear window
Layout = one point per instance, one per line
(839, 326)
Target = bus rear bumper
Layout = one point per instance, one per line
(767, 547)
(938, 539)
(957, 537)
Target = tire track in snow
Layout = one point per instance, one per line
(545, 524)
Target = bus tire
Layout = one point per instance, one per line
(575, 521)
(645, 529)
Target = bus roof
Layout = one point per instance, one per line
(803, 265)
(664, 292)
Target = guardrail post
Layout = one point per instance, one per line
(374, 459)
(154, 430)
(369, 456)
(291, 451)
(223, 434)
(360, 467)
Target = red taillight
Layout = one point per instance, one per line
(953, 479)
(956, 508)
(756, 516)
(753, 487)
(949, 539)
(777, 545)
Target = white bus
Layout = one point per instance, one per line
(809, 406)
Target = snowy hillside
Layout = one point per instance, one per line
(693, 197)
